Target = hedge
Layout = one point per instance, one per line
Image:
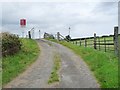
(10, 44)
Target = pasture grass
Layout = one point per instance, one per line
(12, 66)
(54, 77)
(104, 65)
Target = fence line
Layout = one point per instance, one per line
(106, 43)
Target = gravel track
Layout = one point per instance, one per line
(74, 72)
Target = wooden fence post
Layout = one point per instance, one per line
(29, 34)
(105, 43)
(85, 42)
(99, 42)
(80, 42)
(116, 40)
(76, 42)
(95, 41)
(108, 47)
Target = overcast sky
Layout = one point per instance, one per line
(84, 18)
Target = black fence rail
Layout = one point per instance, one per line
(105, 43)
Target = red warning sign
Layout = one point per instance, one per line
(23, 22)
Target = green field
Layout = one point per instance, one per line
(104, 65)
(12, 66)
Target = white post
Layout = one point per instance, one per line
(22, 32)
(23, 25)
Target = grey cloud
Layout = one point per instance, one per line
(53, 17)
(109, 8)
(50, 12)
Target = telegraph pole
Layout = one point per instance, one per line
(69, 31)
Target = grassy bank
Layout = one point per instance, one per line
(13, 65)
(103, 65)
(54, 74)
(0, 73)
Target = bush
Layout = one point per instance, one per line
(10, 44)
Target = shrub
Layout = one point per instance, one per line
(10, 44)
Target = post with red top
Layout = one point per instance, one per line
(23, 25)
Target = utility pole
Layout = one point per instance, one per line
(69, 31)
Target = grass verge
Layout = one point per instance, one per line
(12, 66)
(0, 73)
(54, 77)
(103, 65)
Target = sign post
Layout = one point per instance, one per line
(23, 25)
